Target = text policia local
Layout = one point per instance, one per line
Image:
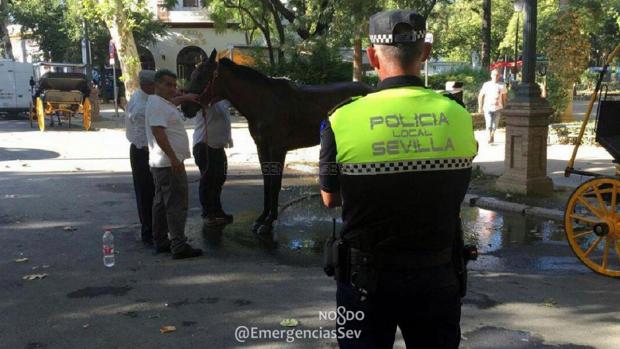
(411, 134)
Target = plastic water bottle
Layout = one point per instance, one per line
(108, 249)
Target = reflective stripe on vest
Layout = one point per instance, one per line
(403, 129)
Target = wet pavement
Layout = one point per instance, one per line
(526, 290)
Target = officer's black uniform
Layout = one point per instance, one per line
(407, 221)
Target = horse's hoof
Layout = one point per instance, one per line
(264, 229)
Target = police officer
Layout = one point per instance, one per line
(399, 161)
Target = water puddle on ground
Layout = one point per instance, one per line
(504, 240)
(493, 230)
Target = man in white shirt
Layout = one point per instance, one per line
(211, 135)
(139, 152)
(491, 100)
(169, 147)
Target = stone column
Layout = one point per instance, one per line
(527, 122)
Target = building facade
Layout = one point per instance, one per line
(191, 37)
(24, 50)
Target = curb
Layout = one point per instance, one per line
(491, 203)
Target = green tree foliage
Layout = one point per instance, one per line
(567, 49)
(280, 23)
(57, 26)
(456, 27)
(51, 25)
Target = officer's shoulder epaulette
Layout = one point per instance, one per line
(454, 98)
(343, 103)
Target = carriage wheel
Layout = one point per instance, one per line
(40, 114)
(592, 225)
(86, 114)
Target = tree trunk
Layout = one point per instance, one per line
(126, 49)
(272, 61)
(357, 58)
(485, 57)
(4, 31)
(281, 34)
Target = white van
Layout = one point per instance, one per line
(15, 91)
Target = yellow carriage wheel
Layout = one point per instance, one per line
(40, 114)
(86, 114)
(592, 225)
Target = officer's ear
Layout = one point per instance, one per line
(371, 52)
(426, 51)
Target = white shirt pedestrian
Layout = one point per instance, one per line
(162, 112)
(135, 123)
(493, 92)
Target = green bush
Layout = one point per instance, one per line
(557, 96)
(315, 64)
(472, 80)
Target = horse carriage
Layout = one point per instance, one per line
(62, 92)
(592, 220)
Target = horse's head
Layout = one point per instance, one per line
(199, 81)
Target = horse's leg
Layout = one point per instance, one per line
(276, 167)
(264, 164)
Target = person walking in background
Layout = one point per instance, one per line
(135, 125)
(211, 135)
(491, 100)
(169, 147)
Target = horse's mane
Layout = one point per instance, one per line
(248, 73)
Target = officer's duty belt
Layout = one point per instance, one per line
(402, 260)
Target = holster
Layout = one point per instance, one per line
(336, 259)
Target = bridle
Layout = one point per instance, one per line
(207, 94)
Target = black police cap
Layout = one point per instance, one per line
(382, 25)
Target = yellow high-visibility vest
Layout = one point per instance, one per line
(404, 129)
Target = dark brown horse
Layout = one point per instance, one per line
(281, 116)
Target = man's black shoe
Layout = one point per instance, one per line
(165, 248)
(219, 219)
(187, 252)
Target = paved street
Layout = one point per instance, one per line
(60, 189)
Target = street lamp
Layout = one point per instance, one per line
(518, 6)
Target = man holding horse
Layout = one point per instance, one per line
(169, 147)
(399, 256)
(211, 135)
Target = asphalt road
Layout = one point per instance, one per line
(532, 295)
